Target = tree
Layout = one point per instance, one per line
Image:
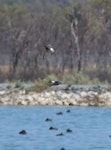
(78, 23)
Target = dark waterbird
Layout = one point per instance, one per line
(62, 148)
(68, 111)
(59, 113)
(48, 119)
(53, 128)
(60, 134)
(68, 130)
(23, 132)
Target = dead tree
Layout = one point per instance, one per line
(74, 18)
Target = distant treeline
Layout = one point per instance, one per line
(79, 31)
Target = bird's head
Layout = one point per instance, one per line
(52, 50)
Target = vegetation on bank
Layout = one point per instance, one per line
(69, 79)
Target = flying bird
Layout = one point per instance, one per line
(48, 49)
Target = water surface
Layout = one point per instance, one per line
(91, 128)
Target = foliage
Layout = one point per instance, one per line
(25, 26)
(39, 86)
(18, 84)
(77, 78)
(12, 15)
(50, 77)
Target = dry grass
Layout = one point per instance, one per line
(85, 77)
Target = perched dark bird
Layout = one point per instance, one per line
(60, 134)
(54, 82)
(68, 130)
(53, 128)
(48, 49)
(48, 119)
(59, 113)
(22, 132)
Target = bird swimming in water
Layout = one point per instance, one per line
(53, 128)
(60, 134)
(59, 113)
(62, 148)
(48, 49)
(68, 130)
(68, 111)
(23, 132)
(48, 119)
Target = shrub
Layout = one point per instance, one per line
(39, 86)
(18, 84)
(76, 78)
(49, 78)
(79, 78)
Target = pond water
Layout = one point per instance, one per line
(91, 128)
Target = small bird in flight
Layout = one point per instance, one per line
(48, 49)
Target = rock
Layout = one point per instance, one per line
(23, 103)
(21, 92)
(28, 98)
(72, 102)
(108, 103)
(44, 102)
(85, 104)
(65, 103)
(62, 95)
(59, 102)
(2, 92)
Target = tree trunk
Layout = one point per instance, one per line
(74, 31)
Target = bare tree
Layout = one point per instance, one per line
(75, 32)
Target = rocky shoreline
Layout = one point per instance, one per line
(60, 95)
